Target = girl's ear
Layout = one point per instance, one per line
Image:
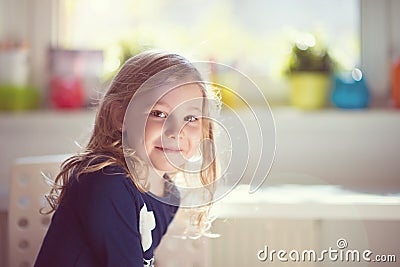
(117, 114)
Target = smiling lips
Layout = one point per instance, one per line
(169, 150)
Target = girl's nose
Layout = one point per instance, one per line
(173, 130)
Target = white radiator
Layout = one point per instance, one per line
(240, 240)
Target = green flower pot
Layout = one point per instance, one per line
(18, 98)
(309, 90)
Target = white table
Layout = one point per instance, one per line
(308, 202)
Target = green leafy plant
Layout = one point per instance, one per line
(128, 49)
(309, 59)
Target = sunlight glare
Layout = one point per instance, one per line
(356, 74)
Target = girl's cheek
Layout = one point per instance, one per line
(153, 126)
(195, 135)
(194, 131)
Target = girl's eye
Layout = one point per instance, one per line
(191, 118)
(159, 114)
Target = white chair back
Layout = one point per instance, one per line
(26, 225)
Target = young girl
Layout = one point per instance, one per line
(113, 202)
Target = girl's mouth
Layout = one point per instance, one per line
(169, 149)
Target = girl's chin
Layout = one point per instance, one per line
(172, 163)
(165, 168)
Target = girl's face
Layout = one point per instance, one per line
(172, 127)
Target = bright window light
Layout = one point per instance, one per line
(256, 36)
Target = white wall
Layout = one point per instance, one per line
(358, 149)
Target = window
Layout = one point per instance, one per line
(255, 36)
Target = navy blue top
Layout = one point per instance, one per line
(104, 220)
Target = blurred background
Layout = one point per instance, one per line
(255, 37)
(330, 70)
(82, 40)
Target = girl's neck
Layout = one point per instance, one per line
(156, 181)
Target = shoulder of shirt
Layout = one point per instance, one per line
(111, 176)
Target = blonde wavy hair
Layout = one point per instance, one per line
(105, 146)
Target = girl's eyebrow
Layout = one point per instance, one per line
(197, 108)
(162, 103)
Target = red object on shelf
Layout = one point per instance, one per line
(66, 93)
(396, 83)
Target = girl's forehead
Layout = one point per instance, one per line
(171, 96)
(185, 93)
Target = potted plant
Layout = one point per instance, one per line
(128, 48)
(309, 71)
